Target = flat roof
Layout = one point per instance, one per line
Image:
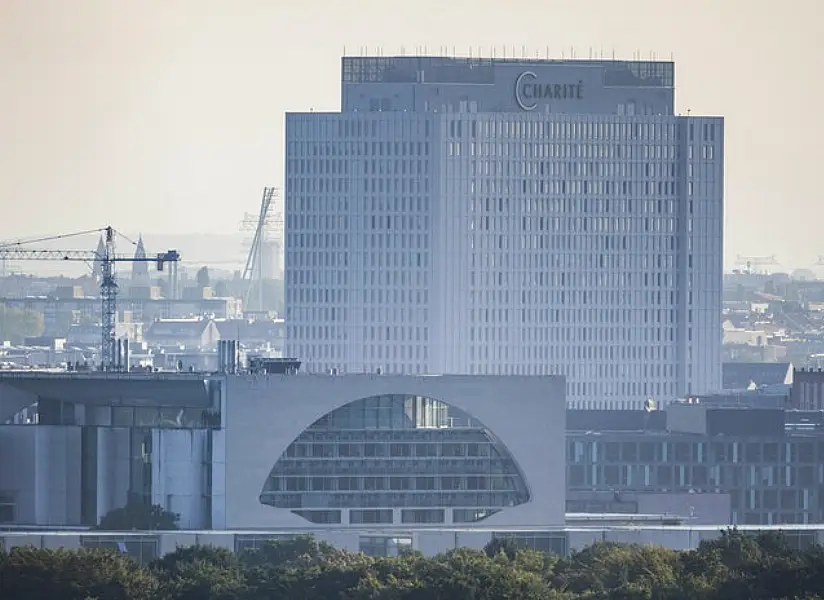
(113, 388)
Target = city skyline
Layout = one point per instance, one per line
(174, 112)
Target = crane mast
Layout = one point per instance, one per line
(107, 282)
(108, 296)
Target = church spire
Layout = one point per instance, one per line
(99, 255)
(140, 268)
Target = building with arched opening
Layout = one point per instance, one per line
(284, 451)
(373, 450)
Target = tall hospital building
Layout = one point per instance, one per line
(488, 216)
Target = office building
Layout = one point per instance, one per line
(763, 462)
(259, 450)
(508, 217)
(444, 461)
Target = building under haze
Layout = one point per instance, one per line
(487, 216)
(273, 449)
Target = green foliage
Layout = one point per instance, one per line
(18, 323)
(28, 573)
(734, 566)
(140, 517)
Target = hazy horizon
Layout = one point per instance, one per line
(169, 116)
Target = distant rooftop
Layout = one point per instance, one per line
(444, 69)
(739, 376)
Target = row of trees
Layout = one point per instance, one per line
(736, 566)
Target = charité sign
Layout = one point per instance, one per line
(530, 91)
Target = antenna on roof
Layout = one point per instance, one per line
(590, 53)
(547, 52)
(344, 49)
(613, 54)
(470, 52)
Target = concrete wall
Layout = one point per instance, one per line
(264, 414)
(113, 468)
(428, 542)
(40, 468)
(687, 418)
(696, 509)
(178, 474)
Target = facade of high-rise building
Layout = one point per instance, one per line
(481, 216)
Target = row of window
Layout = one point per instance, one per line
(365, 483)
(559, 126)
(409, 516)
(385, 449)
(790, 452)
(391, 499)
(696, 477)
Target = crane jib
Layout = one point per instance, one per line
(104, 259)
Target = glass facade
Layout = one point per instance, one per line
(395, 459)
(770, 480)
(549, 542)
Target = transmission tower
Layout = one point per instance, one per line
(265, 247)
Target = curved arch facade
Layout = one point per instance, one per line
(518, 420)
(395, 459)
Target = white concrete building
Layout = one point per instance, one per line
(508, 217)
(310, 451)
(261, 451)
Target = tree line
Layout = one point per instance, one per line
(735, 566)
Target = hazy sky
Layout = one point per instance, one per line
(167, 115)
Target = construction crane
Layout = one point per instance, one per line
(756, 261)
(105, 258)
(268, 228)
